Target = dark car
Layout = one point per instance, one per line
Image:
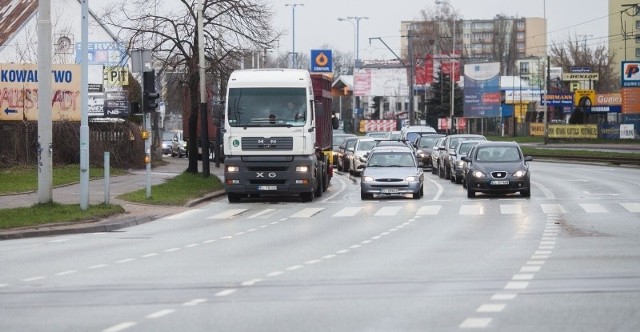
(450, 142)
(345, 153)
(338, 139)
(424, 146)
(391, 171)
(497, 168)
(457, 164)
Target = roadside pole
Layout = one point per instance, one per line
(45, 145)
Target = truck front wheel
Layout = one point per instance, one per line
(306, 197)
(234, 197)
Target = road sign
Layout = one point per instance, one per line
(116, 76)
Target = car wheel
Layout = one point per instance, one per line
(234, 197)
(364, 196)
(457, 179)
(470, 193)
(464, 183)
(452, 176)
(433, 169)
(525, 193)
(440, 172)
(421, 191)
(416, 195)
(447, 173)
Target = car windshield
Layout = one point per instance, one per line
(167, 136)
(427, 142)
(391, 159)
(498, 154)
(338, 140)
(267, 107)
(464, 148)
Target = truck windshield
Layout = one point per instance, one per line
(267, 107)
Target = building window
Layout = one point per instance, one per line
(524, 68)
(398, 106)
(637, 39)
(637, 52)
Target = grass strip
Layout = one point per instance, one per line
(176, 191)
(48, 213)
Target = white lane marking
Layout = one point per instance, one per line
(225, 292)
(160, 313)
(522, 276)
(546, 247)
(535, 262)
(313, 261)
(34, 278)
(59, 241)
(548, 194)
(192, 245)
(295, 267)
(343, 251)
(227, 214)
(194, 302)
(355, 246)
(510, 209)
(388, 211)
(504, 296)
(343, 186)
(542, 252)
(149, 255)
(64, 273)
(120, 327)
(239, 233)
(274, 273)
(475, 323)
(530, 269)
(185, 214)
(552, 208)
(126, 260)
(631, 207)
(471, 209)
(252, 282)
(491, 307)
(429, 210)
(99, 266)
(4, 285)
(328, 256)
(593, 208)
(365, 242)
(348, 212)
(261, 213)
(306, 213)
(517, 285)
(172, 249)
(209, 241)
(551, 243)
(540, 257)
(439, 191)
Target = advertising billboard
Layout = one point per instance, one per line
(481, 85)
(386, 82)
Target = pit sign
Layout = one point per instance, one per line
(116, 76)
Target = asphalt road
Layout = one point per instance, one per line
(566, 259)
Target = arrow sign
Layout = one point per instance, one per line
(7, 111)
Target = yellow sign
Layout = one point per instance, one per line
(584, 98)
(580, 76)
(536, 129)
(19, 92)
(116, 76)
(573, 131)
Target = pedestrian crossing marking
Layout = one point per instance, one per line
(631, 207)
(510, 209)
(348, 212)
(431, 210)
(388, 211)
(593, 208)
(471, 209)
(227, 214)
(552, 208)
(261, 213)
(306, 213)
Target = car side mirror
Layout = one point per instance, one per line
(528, 158)
(465, 158)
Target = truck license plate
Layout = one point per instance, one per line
(267, 187)
(500, 182)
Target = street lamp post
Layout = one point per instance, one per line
(293, 32)
(356, 62)
(453, 68)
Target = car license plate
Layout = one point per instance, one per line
(389, 191)
(267, 187)
(499, 182)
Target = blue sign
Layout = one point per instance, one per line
(321, 61)
(630, 74)
(575, 69)
(103, 53)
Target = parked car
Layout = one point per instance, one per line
(178, 145)
(338, 139)
(435, 155)
(363, 145)
(391, 171)
(444, 165)
(457, 164)
(345, 153)
(497, 168)
(424, 147)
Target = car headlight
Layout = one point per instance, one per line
(233, 169)
(519, 174)
(460, 163)
(411, 178)
(302, 169)
(478, 174)
(367, 179)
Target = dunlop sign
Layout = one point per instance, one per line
(580, 76)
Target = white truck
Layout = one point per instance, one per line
(277, 134)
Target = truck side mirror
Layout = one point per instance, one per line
(335, 123)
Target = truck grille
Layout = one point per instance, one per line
(267, 143)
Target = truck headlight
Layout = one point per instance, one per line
(233, 169)
(302, 169)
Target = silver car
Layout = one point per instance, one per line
(391, 171)
(362, 147)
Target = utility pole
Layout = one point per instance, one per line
(293, 33)
(45, 144)
(204, 124)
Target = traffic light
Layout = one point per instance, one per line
(150, 95)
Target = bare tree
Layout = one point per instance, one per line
(169, 30)
(575, 52)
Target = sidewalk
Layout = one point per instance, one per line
(135, 214)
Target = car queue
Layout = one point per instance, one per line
(392, 167)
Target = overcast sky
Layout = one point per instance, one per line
(316, 22)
